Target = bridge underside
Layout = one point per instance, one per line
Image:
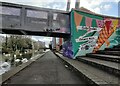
(35, 33)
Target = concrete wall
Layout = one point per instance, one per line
(90, 33)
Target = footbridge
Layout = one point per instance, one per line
(29, 20)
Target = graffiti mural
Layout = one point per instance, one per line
(90, 33)
(67, 49)
(110, 26)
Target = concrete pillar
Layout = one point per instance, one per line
(54, 43)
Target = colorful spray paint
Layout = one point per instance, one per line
(90, 33)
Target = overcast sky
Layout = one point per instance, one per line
(106, 7)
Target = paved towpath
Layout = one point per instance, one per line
(47, 70)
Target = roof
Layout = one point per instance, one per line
(86, 10)
(82, 9)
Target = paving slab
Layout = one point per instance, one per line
(111, 58)
(102, 62)
(116, 53)
(105, 56)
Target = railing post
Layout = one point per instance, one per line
(22, 17)
(50, 19)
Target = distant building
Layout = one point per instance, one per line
(41, 43)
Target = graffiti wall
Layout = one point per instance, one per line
(90, 33)
(67, 49)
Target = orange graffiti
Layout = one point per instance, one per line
(78, 19)
(104, 34)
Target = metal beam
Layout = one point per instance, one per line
(23, 32)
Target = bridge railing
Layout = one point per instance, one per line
(22, 17)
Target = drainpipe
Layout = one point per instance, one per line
(77, 4)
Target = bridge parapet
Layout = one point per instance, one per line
(35, 19)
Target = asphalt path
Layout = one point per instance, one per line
(46, 70)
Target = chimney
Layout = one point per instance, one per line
(77, 4)
(68, 5)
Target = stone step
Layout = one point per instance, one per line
(110, 67)
(112, 49)
(105, 57)
(116, 53)
(89, 73)
(118, 46)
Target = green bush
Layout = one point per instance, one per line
(6, 50)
